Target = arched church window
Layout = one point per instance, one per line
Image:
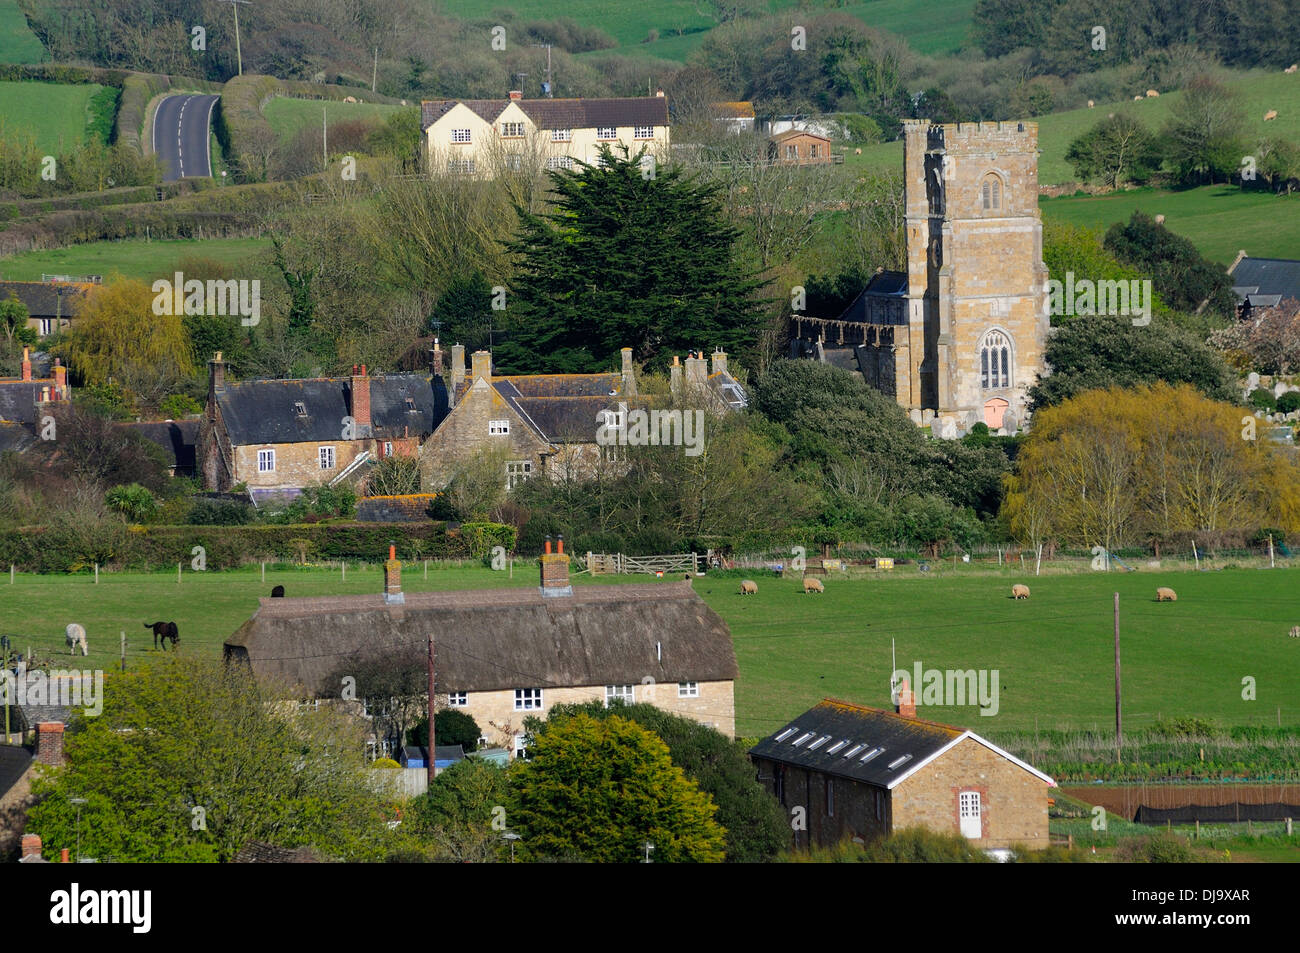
(991, 193)
(995, 361)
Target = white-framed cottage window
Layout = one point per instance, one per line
(643, 132)
(688, 689)
(326, 458)
(528, 699)
(559, 162)
(561, 135)
(613, 419)
(498, 427)
(388, 448)
(517, 471)
(46, 326)
(266, 461)
(461, 166)
(512, 130)
(792, 152)
(605, 133)
(621, 692)
(995, 361)
(457, 699)
(521, 747)
(461, 136)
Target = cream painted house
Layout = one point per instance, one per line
(485, 137)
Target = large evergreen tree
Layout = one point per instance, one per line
(629, 256)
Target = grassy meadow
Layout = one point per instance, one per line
(287, 115)
(133, 258)
(1054, 652)
(57, 115)
(18, 44)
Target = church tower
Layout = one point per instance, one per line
(976, 284)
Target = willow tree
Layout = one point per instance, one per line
(118, 336)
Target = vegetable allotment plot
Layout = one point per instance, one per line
(1053, 652)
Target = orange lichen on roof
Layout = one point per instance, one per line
(866, 709)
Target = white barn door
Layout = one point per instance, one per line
(969, 809)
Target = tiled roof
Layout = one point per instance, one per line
(796, 133)
(265, 411)
(42, 298)
(560, 113)
(177, 437)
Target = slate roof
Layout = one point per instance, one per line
(560, 113)
(870, 745)
(888, 285)
(14, 762)
(495, 639)
(260, 852)
(1266, 276)
(18, 400)
(177, 437)
(562, 408)
(264, 411)
(42, 297)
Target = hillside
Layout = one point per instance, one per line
(18, 44)
(59, 116)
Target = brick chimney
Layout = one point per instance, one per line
(393, 594)
(457, 365)
(675, 376)
(216, 381)
(435, 359)
(31, 845)
(361, 401)
(555, 571)
(60, 380)
(516, 94)
(482, 366)
(629, 376)
(719, 361)
(697, 370)
(49, 743)
(63, 856)
(27, 364)
(906, 701)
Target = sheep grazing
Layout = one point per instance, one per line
(1091, 104)
(76, 635)
(748, 587)
(1270, 115)
(1160, 219)
(1019, 591)
(1166, 595)
(1290, 69)
(857, 152)
(1295, 631)
(812, 585)
(1137, 99)
(1152, 94)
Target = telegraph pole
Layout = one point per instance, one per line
(238, 54)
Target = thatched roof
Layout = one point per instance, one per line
(494, 639)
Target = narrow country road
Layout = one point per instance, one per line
(180, 136)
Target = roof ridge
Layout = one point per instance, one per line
(885, 711)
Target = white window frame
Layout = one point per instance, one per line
(498, 427)
(457, 699)
(46, 326)
(561, 135)
(508, 130)
(688, 689)
(528, 699)
(626, 693)
(266, 461)
(520, 749)
(613, 419)
(326, 453)
(388, 448)
(462, 137)
(643, 132)
(606, 133)
(559, 162)
(970, 807)
(517, 471)
(461, 166)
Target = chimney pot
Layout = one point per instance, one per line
(548, 544)
(31, 845)
(27, 364)
(516, 94)
(906, 701)
(555, 571)
(560, 543)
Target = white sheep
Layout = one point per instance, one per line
(76, 635)
(1290, 69)
(1160, 219)
(1020, 591)
(812, 585)
(1164, 594)
(1091, 104)
(1137, 99)
(748, 587)
(1295, 631)
(1270, 115)
(1152, 94)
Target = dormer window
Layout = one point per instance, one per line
(991, 193)
(300, 408)
(410, 406)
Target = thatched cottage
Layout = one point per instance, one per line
(503, 654)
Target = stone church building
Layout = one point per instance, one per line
(958, 338)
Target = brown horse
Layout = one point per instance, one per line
(165, 631)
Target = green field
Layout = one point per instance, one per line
(133, 258)
(1054, 652)
(929, 26)
(18, 44)
(57, 115)
(287, 116)
(1219, 220)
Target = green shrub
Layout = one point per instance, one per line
(135, 502)
(179, 406)
(1263, 398)
(480, 538)
(1161, 848)
(1289, 402)
(911, 845)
